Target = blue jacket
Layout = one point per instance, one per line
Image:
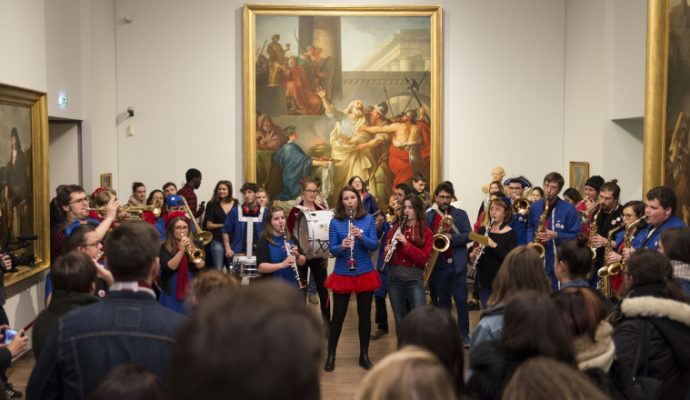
(636, 241)
(369, 204)
(124, 327)
(564, 220)
(237, 230)
(337, 232)
(460, 235)
(652, 242)
(519, 225)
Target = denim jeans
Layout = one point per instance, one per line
(217, 254)
(448, 283)
(484, 295)
(405, 296)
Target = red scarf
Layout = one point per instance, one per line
(182, 279)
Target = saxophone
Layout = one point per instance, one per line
(607, 271)
(441, 243)
(593, 231)
(541, 228)
(629, 234)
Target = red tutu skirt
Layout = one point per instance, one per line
(367, 282)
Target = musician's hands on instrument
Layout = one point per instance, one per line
(546, 235)
(613, 257)
(590, 204)
(113, 205)
(289, 261)
(401, 238)
(347, 243)
(356, 232)
(294, 250)
(627, 253)
(184, 243)
(599, 241)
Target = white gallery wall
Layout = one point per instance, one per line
(179, 64)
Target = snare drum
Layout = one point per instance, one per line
(245, 267)
(312, 232)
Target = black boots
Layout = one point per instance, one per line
(330, 362)
(364, 361)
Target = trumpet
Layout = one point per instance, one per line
(204, 237)
(195, 254)
(521, 206)
(135, 212)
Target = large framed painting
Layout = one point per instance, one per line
(24, 221)
(667, 100)
(335, 92)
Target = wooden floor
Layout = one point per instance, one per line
(342, 383)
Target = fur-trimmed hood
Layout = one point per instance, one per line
(650, 306)
(599, 353)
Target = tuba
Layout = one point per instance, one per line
(538, 247)
(441, 243)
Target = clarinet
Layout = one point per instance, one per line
(351, 261)
(482, 247)
(293, 266)
(394, 242)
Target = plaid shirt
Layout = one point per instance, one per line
(188, 193)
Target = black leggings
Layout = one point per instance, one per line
(340, 302)
(318, 270)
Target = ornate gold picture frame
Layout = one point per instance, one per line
(579, 173)
(341, 91)
(24, 178)
(667, 101)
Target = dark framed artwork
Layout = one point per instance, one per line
(341, 91)
(667, 101)
(24, 179)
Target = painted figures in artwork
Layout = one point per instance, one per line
(295, 164)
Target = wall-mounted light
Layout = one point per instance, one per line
(62, 101)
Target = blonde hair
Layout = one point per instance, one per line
(408, 374)
(209, 282)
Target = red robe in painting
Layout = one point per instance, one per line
(296, 87)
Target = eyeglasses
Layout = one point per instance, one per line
(629, 215)
(81, 200)
(181, 228)
(311, 190)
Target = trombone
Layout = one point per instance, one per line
(204, 237)
(135, 212)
